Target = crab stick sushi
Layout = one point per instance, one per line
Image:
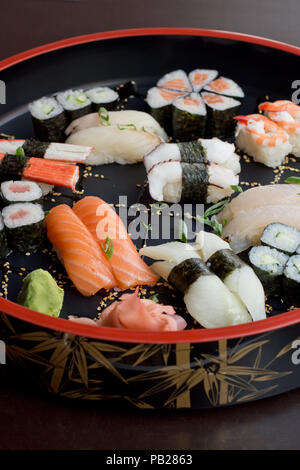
(25, 226)
(176, 181)
(84, 261)
(206, 297)
(225, 86)
(237, 276)
(287, 115)
(103, 97)
(48, 150)
(20, 191)
(199, 78)
(177, 80)
(160, 102)
(48, 118)
(262, 139)
(76, 103)
(104, 224)
(188, 117)
(220, 113)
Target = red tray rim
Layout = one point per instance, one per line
(135, 336)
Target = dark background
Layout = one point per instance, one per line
(30, 420)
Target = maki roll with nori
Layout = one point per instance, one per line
(20, 191)
(237, 276)
(291, 281)
(201, 77)
(49, 119)
(76, 103)
(189, 117)
(12, 166)
(25, 226)
(177, 80)
(4, 250)
(225, 86)
(268, 263)
(103, 97)
(281, 236)
(220, 113)
(160, 102)
(206, 298)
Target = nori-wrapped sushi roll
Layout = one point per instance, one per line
(103, 97)
(220, 113)
(281, 236)
(225, 86)
(188, 117)
(195, 180)
(25, 226)
(160, 102)
(291, 281)
(49, 119)
(21, 191)
(4, 250)
(268, 264)
(12, 166)
(76, 103)
(177, 80)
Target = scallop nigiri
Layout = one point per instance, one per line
(85, 263)
(114, 144)
(102, 221)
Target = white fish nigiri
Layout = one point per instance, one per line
(112, 144)
(271, 194)
(246, 228)
(240, 278)
(139, 119)
(206, 297)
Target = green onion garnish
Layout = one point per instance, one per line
(297, 266)
(104, 116)
(293, 180)
(236, 189)
(216, 208)
(126, 126)
(20, 152)
(183, 231)
(217, 227)
(108, 247)
(81, 98)
(46, 212)
(154, 298)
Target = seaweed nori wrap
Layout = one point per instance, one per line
(35, 148)
(194, 182)
(291, 281)
(220, 113)
(188, 118)
(186, 273)
(49, 119)
(12, 166)
(224, 262)
(192, 152)
(268, 264)
(4, 250)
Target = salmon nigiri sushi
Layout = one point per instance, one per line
(102, 221)
(85, 263)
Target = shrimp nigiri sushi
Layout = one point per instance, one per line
(262, 139)
(102, 221)
(206, 297)
(86, 265)
(287, 115)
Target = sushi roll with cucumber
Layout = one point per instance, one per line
(103, 97)
(177, 80)
(176, 181)
(291, 281)
(25, 226)
(76, 103)
(225, 86)
(188, 117)
(160, 102)
(20, 191)
(220, 113)
(206, 297)
(48, 118)
(237, 276)
(199, 78)
(268, 263)
(281, 236)
(4, 249)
